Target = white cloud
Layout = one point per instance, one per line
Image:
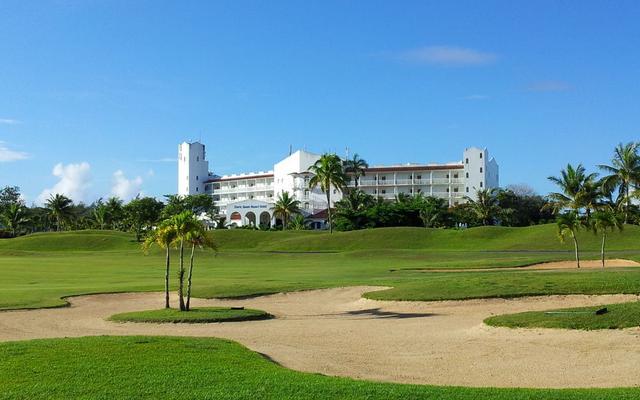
(8, 155)
(549, 86)
(9, 121)
(447, 56)
(74, 182)
(124, 188)
(476, 97)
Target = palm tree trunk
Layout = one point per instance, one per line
(604, 239)
(166, 279)
(193, 248)
(575, 244)
(329, 209)
(626, 211)
(181, 277)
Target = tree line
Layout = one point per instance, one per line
(600, 204)
(60, 213)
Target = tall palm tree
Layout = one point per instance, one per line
(485, 205)
(355, 167)
(603, 221)
(198, 238)
(576, 187)
(60, 208)
(624, 171)
(101, 214)
(568, 224)
(183, 224)
(163, 236)
(14, 217)
(328, 174)
(284, 207)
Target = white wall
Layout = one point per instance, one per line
(480, 171)
(193, 169)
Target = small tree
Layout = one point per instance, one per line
(184, 225)
(355, 167)
(603, 221)
(568, 224)
(142, 214)
(198, 238)
(284, 207)
(14, 217)
(163, 236)
(485, 205)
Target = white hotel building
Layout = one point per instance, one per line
(248, 198)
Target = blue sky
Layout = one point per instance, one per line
(96, 95)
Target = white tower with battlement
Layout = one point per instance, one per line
(480, 171)
(193, 168)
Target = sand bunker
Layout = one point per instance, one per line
(337, 332)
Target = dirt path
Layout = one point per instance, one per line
(337, 332)
(552, 265)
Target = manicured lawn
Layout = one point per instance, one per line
(133, 367)
(625, 315)
(193, 316)
(38, 270)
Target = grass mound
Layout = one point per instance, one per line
(619, 316)
(194, 316)
(89, 240)
(138, 367)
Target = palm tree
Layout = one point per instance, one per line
(298, 222)
(163, 236)
(197, 237)
(355, 167)
(485, 205)
(603, 221)
(624, 171)
(284, 207)
(328, 174)
(60, 209)
(14, 217)
(568, 224)
(576, 189)
(101, 214)
(183, 224)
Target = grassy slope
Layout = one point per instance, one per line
(625, 315)
(200, 368)
(195, 315)
(36, 274)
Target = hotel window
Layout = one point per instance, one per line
(306, 206)
(198, 158)
(384, 191)
(419, 177)
(419, 190)
(447, 176)
(480, 169)
(197, 190)
(410, 190)
(306, 192)
(455, 175)
(467, 161)
(467, 189)
(251, 197)
(455, 190)
(481, 184)
(383, 178)
(196, 177)
(447, 190)
(480, 155)
(467, 175)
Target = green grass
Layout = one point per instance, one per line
(193, 316)
(624, 315)
(36, 274)
(133, 367)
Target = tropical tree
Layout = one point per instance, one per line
(284, 207)
(60, 209)
(485, 205)
(603, 221)
(142, 214)
(568, 224)
(14, 217)
(624, 172)
(163, 236)
(298, 222)
(433, 212)
(355, 167)
(184, 225)
(114, 213)
(328, 174)
(576, 188)
(100, 214)
(197, 237)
